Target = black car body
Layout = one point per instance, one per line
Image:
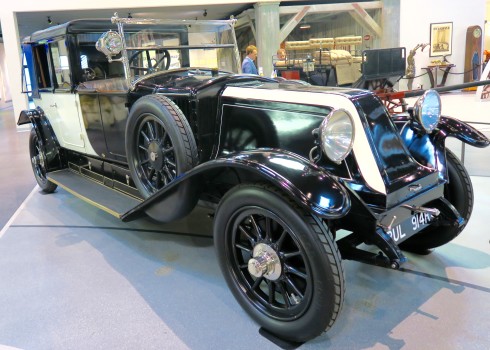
(127, 121)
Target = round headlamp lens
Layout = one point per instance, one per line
(337, 135)
(110, 43)
(428, 110)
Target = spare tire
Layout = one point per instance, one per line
(159, 143)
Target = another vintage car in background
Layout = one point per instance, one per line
(152, 117)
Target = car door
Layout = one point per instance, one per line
(56, 97)
(103, 98)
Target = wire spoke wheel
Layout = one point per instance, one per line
(155, 154)
(160, 146)
(279, 282)
(384, 87)
(395, 105)
(39, 163)
(279, 261)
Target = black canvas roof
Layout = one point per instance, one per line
(75, 26)
(99, 25)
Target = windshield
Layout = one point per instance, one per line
(151, 46)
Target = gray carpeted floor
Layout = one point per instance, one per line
(74, 277)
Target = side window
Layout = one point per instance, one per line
(51, 65)
(41, 66)
(26, 76)
(93, 63)
(61, 68)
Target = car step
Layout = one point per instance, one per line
(111, 201)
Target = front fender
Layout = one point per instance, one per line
(309, 185)
(429, 150)
(463, 132)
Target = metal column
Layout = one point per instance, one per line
(267, 28)
(390, 24)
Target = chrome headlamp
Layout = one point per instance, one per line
(427, 110)
(110, 43)
(337, 135)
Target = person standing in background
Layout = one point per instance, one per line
(248, 65)
(281, 54)
(279, 60)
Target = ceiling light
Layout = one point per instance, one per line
(205, 13)
(304, 25)
(129, 15)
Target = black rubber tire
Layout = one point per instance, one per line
(38, 159)
(459, 192)
(171, 149)
(321, 289)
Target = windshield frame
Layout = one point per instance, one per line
(217, 26)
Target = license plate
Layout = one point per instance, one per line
(409, 227)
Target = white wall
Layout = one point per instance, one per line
(486, 30)
(415, 19)
(4, 82)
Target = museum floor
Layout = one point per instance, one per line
(74, 277)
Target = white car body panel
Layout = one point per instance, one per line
(63, 112)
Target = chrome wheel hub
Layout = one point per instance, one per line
(265, 262)
(155, 155)
(38, 160)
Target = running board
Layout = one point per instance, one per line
(111, 201)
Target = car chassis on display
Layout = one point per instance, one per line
(129, 118)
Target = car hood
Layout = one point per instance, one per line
(186, 79)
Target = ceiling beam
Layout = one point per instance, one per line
(371, 5)
(292, 23)
(243, 18)
(323, 8)
(365, 20)
(252, 26)
(356, 10)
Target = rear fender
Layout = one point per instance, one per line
(309, 185)
(45, 133)
(430, 150)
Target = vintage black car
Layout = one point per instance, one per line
(151, 117)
